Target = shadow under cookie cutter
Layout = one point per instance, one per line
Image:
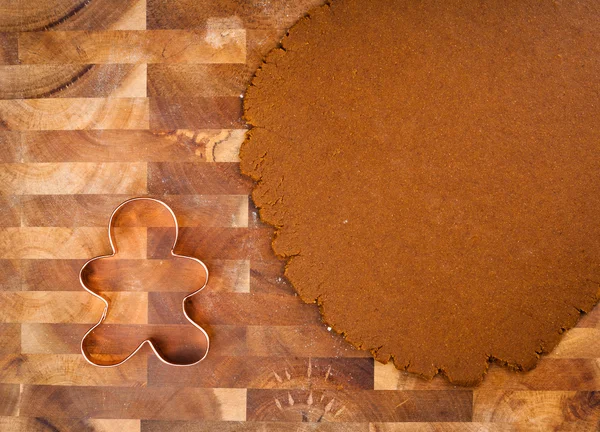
(148, 341)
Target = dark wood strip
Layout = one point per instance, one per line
(261, 372)
(63, 275)
(51, 81)
(208, 145)
(10, 342)
(465, 427)
(197, 178)
(10, 398)
(267, 277)
(51, 275)
(182, 80)
(214, 243)
(10, 211)
(95, 210)
(303, 341)
(170, 113)
(209, 309)
(9, 51)
(164, 403)
(119, 339)
(10, 269)
(359, 405)
(10, 143)
(188, 14)
(550, 374)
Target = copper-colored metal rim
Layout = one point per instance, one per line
(84, 352)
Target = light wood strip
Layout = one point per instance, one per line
(552, 408)
(94, 210)
(579, 343)
(72, 15)
(120, 339)
(72, 307)
(44, 424)
(359, 405)
(74, 113)
(72, 81)
(167, 46)
(69, 370)
(127, 402)
(69, 243)
(549, 374)
(223, 112)
(182, 145)
(249, 14)
(73, 178)
(591, 319)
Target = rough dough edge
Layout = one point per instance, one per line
(543, 347)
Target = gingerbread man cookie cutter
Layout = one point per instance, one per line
(147, 341)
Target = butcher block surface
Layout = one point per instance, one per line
(104, 100)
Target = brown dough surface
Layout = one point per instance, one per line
(432, 169)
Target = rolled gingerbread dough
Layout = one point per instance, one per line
(432, 170)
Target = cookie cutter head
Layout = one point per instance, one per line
(147, 341)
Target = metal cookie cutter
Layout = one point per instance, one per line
(85, 353)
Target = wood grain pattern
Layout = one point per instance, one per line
(68, 370)
(80, 307)
(104, 100)
(9, 53)
(62, 243)
(120, 339)
(62, 275)
(168, 46)
(151, 403)
(74, 81)
(38, 424)
(11, 146)
(73, 178)
(72, 15)
(74, 113)
(180, 145)
(93, 210)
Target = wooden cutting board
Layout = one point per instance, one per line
(104, 100)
